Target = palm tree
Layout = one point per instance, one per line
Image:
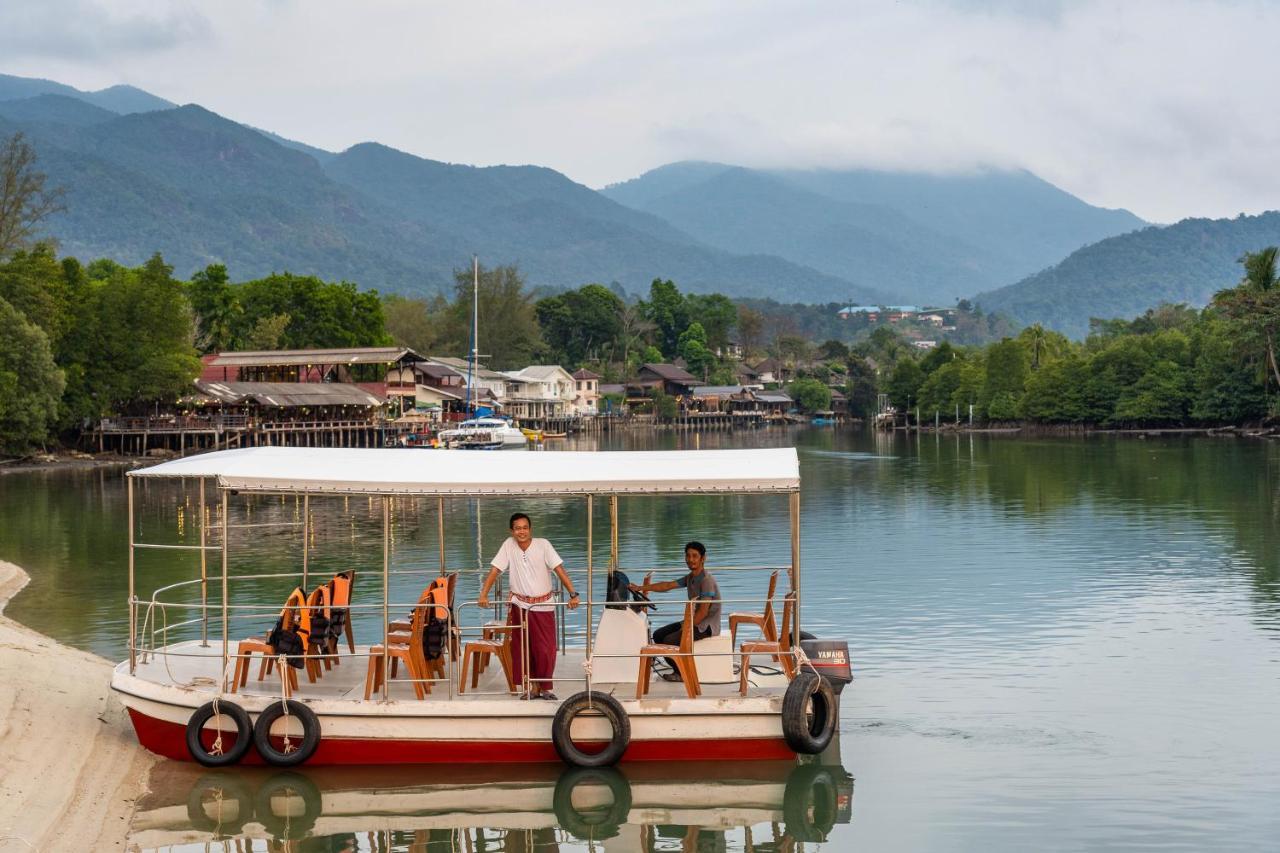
(1256, 301)
(1039, 342)
(635, 328)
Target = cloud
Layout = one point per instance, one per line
(86, 30)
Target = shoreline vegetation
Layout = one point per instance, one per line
(73, 769)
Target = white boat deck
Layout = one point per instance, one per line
(195, 667)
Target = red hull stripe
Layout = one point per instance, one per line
(169, 739)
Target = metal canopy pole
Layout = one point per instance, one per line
(613, 535)
(590, 570)
(795, 564)
(440, 531)
(204, 574)
(225, 632)
(306, 537)
(386, 595)
(133, 607)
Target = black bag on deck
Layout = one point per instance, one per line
(286, 638)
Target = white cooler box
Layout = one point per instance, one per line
(622, 632)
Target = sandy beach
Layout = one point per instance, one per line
(72, 768)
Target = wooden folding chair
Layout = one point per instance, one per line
(293, 616)
(681, 654)
(780, 650)
(402, 647)
(764, 621)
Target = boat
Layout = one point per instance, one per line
(554, 435)
(532, 434)
(485, 432)
(193, 645)
(774, 803)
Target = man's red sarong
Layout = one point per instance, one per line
(541, 628)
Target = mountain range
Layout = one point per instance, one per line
(925, 238)
(144, 175)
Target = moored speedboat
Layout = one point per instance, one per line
(486, 433)
(192, 696)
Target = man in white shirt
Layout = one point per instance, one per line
(530, 563)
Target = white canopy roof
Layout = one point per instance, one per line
(467, 472)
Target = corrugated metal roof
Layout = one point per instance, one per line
(302, 357)
(717, 390)
(670, 373)
(289, 394)
(538, 372)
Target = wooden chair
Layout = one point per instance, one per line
(681, 654)
(292, 616)
(401, 647)
(764, 621)
(475, 655)
(780, 649)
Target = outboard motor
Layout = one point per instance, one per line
(619, 594)
(831, 659)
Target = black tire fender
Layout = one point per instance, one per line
(810, 805)
(289, 826)
(810, 712)
(593, 702)
(593, 825)
(196, 734)
(297, 751)
(219, 803)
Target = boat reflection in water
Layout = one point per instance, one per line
(755, 805)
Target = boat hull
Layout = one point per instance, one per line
(463, 729)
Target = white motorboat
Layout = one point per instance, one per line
(484, 432)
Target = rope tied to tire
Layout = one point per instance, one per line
(216, 747)
(284, 702)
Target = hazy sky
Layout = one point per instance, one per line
(1167, 108)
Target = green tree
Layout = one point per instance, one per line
(34, 283)
(1254, 306)
(717, 315)
(667, 311)
(324, 314)
(1226, 387)
(1055, 392)
(509, 333)
(904, 383)
(581, 324)
(832, 350)
(810, 395)
(1006, 379)
(693, 349)
(217, 310)
(937, 394)
(1162, 396)
(143, 340)
(267, 333)
(942, 354)
(30, 383)
(415, 323)
(862, 388)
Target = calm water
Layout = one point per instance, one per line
(1058, 644)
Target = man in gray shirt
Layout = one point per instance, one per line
(701, 588)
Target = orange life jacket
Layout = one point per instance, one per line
(437, 593)
(296, 616)
(340, 594)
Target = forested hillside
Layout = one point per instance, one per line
(202, 189)
(1124, 276)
